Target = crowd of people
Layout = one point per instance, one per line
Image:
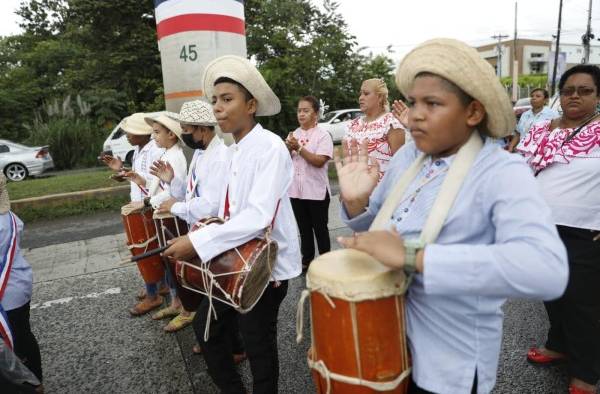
(522, 224)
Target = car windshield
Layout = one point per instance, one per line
(522, 102)
(328, 116)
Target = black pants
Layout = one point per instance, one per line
(259, 333)
(312, 217)
(575, 317)
(26, 346)
(414, 389)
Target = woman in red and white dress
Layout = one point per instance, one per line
(385, 134)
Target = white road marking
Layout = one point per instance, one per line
(66, 300)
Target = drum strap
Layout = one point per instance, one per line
(443, 202)
(445, 199)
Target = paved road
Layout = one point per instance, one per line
(90, 344)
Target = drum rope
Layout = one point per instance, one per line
(300, 310)
(322, 369)
(142, 245)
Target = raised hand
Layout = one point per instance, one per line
(162, 171)
(114, 163)
(357, 176)
(400, 112)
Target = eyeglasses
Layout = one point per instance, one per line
(581, 91)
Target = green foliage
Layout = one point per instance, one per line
(532, 80)
(72, 208)
(73, 137)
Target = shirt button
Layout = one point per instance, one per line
(437, 163)
(405, 210)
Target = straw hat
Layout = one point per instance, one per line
(462, 65)
(242, 71)
(4, 200)
(195, 113)
(135, 124)
(165, 119)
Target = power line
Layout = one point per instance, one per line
(499, 37)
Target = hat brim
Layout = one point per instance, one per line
(136, 125)
(243, 72)
(167, 122)
(462, 65)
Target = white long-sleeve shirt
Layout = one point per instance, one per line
(141, 162)
(161, 190)
(201, 191)
(259, 174)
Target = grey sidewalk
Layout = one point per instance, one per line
(90, 344)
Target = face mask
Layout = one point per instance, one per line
(188, 139)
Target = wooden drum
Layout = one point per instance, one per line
(358, 325)
(141, 237)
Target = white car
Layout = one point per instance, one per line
(336, 122)
(18, 161)
(117, 145)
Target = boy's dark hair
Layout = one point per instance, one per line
(589, 69)
(464, 98)
(312, 100)
(197, 126)
(247, 94)
(546, 94)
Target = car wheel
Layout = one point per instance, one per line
(15, 172)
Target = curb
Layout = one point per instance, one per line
(58, 199)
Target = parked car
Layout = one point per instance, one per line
(18, 161)
(116, 143)
(336, 122)
(522, 105)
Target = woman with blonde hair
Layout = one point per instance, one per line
(384, 133)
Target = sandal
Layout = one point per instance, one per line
(145, 306)
(536, 356)
(166, 312)
(180, 321)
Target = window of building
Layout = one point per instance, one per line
(537, 54)
(537, 68)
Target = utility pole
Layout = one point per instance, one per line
(515, 73)
(587, 37)
(556, 49)
(499, 37)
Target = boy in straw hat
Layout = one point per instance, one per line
(253, 196)
(139, 134)
(198, 196)
(497, 239)
(16, 282)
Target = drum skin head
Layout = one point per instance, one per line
(353, 275)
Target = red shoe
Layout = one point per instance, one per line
(578, 390)
(534, 356)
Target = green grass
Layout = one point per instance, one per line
(331, 172)
(69, 182)
(73, 208)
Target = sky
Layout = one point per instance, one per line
(404, 24)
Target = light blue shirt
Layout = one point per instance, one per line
(498, 241)
(18, 290)
(528, 119)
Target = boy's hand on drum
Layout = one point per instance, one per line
(114, 163)
(400, 112)
(385, 246)
(357, 177)
(180, 248)
(163, 171)
(165, 207)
